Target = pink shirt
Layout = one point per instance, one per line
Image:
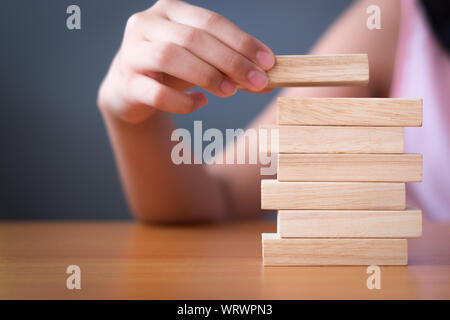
(422, 70)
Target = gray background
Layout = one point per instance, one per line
(55, 158)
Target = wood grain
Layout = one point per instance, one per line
(350, 111)
(350, 167)
(335, 139)
(310, 252)
(350, 223)
(319, 70)
(129, 260)
(332, 195)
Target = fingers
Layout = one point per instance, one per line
(222, 29)
(178, 62)
(145, 91)
(205, 46)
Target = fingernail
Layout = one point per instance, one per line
(227, 87)
(266, 60)
(257, 79)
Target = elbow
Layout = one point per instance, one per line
(172, 216)
(194, 208)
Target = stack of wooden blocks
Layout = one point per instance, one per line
(340, 188)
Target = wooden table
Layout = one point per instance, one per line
(121, 260)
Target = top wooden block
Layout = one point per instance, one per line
(350, 112)
(319, 70)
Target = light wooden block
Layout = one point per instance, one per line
(310, 252)
(350, 167)
(319, 70)
(333, 139)
(350, 112)
(332, 195)
(350, 223)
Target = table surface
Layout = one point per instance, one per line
(126, 260)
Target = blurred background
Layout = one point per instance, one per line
(55, 158)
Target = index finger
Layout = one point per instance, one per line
(224, 30)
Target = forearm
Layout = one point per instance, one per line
(347, 35)
(156, 188)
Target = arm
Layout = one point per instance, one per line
(158, 190)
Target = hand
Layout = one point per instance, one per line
(172, 47)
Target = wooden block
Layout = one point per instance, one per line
(350, 167)
(319, 70)
(329, 139)
(350, 112)
(350, 223)
(332, 195)
(309, 252)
